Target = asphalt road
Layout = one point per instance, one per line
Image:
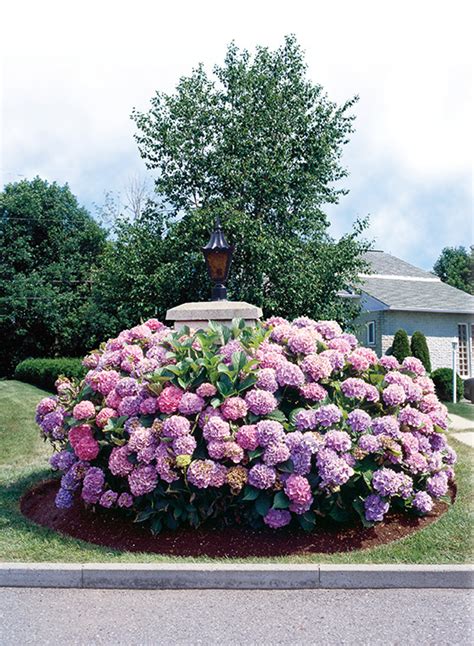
(320, 617)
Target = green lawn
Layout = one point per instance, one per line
(463, 409)
(23, 461)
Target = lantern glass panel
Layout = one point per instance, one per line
(217, 263)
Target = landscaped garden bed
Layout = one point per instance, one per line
(114, 530)
(23, 459)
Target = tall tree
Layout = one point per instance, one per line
(455, 266)
(48, 245)
(260, 145)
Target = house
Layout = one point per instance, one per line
(399, 295)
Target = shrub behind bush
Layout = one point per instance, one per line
(419, 349)
(443, 380)
(401, 345)
(44, 372)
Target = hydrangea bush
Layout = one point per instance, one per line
(278, 423)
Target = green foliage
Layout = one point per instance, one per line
(455, 266)
(48, 245)
(401, 345)
(419, 349)
(259, 145)
(443, 380)
(44, 372)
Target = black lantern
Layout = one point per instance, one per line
(218, 255)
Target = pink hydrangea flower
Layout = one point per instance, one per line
(313, 391)
(298, 490)
(234, 408)
(176, 426)
(78, 433)
(87, 449)
(260, 402)
(206, 390)
(316, 366)
(83, 410)
(246, 437)
(119, 463)
(169, 399)
(104, 415)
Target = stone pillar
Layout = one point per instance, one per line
(198, 315)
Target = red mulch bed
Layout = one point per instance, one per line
(114, 530)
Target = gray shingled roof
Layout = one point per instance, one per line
(422, 291)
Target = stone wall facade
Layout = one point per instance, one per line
(440, 331)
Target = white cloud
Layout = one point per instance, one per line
(73, 71)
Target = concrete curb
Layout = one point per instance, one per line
(233, 576)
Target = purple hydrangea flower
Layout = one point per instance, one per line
(262, 476)
(289, 374)
(298, 490)
(387, 425)
(143, 479)
(234, 408)
(62, 460)
(206, 473)
(386, 482)
(93, 485)
(333, 470)
(410, 417)
(337, 441)
(313, 391)
(423, 502)
(413, 364)
(266, 380)
(127, 387)
(269, 432)
(275, 453)
(437, 485)
(216, 429)
(125, 500)
(328, 415)
(359, 420)
(247, 438)
(394, 395)
(375, 508)
(276, 518)
(108, 498)
(302, 341)
(191, 404)
(176, 426)
(64, 499)
(306, 420)
(369, 443)
(260, 402)
(354, 388)
(184, 445)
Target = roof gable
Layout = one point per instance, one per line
(405, 287)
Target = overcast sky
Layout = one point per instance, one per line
(72, 71)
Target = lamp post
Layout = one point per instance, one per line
(218, 256)
(455, 393)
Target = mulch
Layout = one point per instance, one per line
(114, 530)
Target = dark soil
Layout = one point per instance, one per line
(114, 530)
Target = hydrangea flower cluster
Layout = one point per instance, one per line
(273, 424)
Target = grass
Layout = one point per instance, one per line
(463, 409)
(23, 461)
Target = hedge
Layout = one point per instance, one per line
(44, 372)
(401, 345)
(419, 349)
(443, 380)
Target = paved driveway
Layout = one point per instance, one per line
(321, 617)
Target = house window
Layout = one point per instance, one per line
(371, 333)
(463, 350)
